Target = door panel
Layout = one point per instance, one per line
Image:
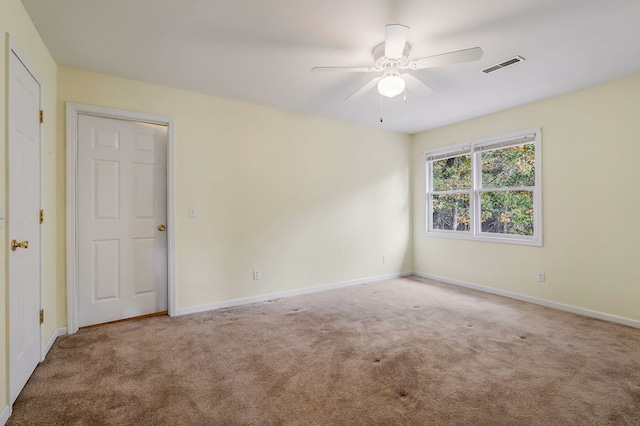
(122, 260)
(106, 191)
(106, 264)
(24, 224)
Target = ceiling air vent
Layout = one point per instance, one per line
(504, 64)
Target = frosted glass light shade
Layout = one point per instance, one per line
(391, 85)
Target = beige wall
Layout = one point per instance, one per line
(591, 149)
(308, 201)
(15, 21)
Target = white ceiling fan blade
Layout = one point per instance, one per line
(416, 85)
(466, 55)
(395, 38)
(364, 89)
(343, 69)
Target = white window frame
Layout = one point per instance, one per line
(475, 149)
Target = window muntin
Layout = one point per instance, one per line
(489, 190)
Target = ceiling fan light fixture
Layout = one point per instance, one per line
(391, 85)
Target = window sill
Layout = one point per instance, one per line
(535, 242)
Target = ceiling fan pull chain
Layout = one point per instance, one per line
(381, 120)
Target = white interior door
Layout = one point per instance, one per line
(122, 246)
(23, 224)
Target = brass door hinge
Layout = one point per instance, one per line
(41, 316)
(41, 116)
(41, 216)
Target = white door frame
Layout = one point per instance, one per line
(14, 49)
(73, 111)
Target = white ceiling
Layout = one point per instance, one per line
(262, 51)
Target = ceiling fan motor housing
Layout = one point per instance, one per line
(391, 84)
(383, 63)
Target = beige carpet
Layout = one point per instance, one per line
(397, 352)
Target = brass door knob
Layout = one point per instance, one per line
(22, 244)
(161, 228)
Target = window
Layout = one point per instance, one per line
(487, 190)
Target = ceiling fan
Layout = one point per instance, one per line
(391, 58)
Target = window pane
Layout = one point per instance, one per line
(452, 173)
(510, 166)
(507, 212)
(451, 212)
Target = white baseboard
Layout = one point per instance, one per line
(549, 304)
(296, 292)
(56, 333)
(5, 414)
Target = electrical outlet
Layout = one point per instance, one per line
(385, 259)
(193, 212)
(256, 274)
(541, 277)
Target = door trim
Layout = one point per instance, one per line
(15, 50)
(73, 111)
